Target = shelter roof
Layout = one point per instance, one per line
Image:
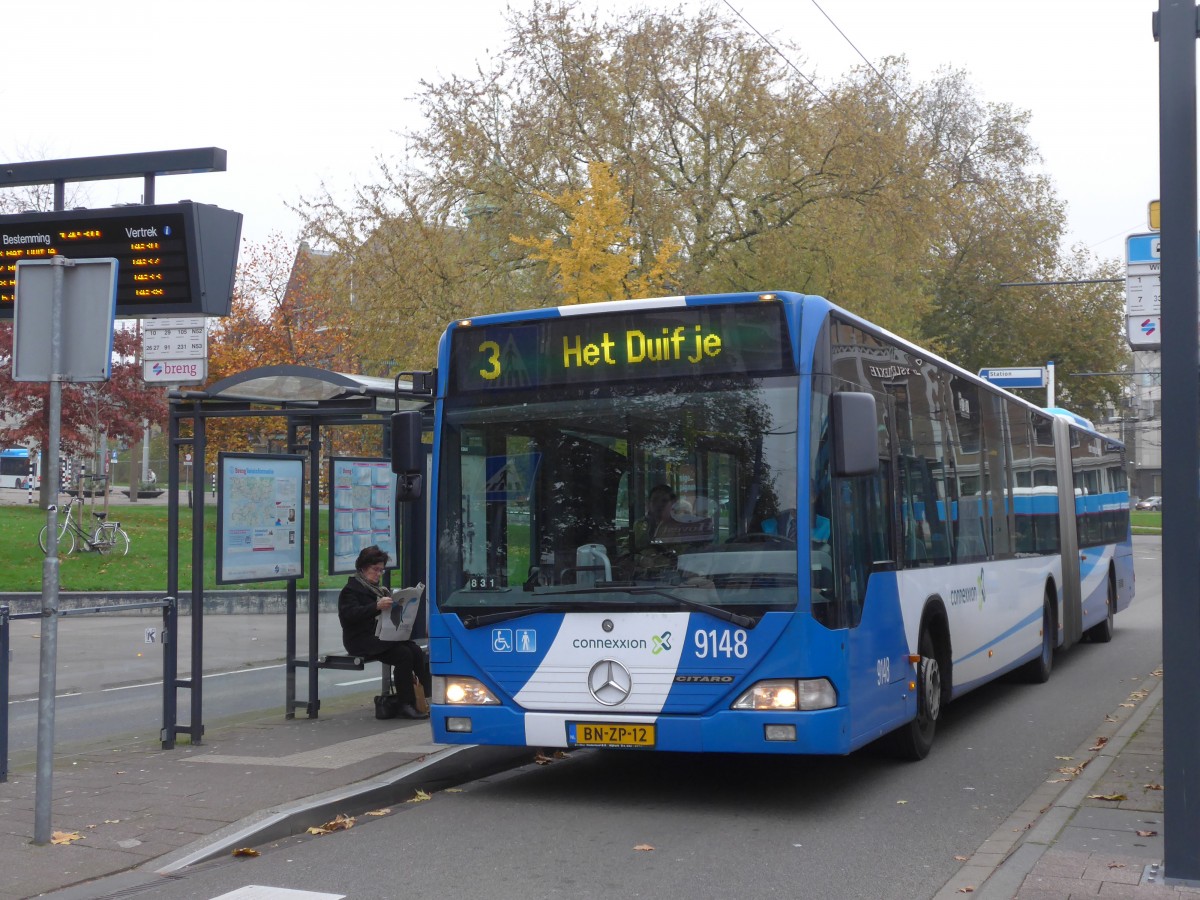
(307, 386)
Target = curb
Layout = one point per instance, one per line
(442, 769)
(998, 868)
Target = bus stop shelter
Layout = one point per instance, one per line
(308, 401)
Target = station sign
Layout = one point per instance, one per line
(1026, 377)
(172, 260)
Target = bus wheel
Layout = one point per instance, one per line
(1037, 671)
(915, 740)
(1102, 632)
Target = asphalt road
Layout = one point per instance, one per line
(626, 824)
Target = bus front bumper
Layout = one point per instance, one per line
(729, 731)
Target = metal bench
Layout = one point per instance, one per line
(352, 664)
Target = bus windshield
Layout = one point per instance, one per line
(679, 494)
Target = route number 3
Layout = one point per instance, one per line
(491, 350)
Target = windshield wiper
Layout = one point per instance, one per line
(487, 619)
(715, 611)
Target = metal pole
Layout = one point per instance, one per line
(47, 668)
(4, 651)
(1176, 32)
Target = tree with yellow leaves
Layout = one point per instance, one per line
(594, 259)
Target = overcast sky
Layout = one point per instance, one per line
(299, 93)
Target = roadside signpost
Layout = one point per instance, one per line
(62, 332)
(173, 260)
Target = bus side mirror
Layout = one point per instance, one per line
(855, 445)
(408, 454)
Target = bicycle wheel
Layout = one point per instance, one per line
(66, 540)
(111, 538)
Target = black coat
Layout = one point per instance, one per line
(357, 611)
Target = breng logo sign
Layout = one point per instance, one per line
(175, 371)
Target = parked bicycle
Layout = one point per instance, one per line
(107, 537)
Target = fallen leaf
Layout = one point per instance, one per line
(962, 858)
(1147, 834)
(1116, 798)
(314, 829)
(965, 890)
(340, 822)
(1157, 673)
(452, 791)
(901, 802)
(378, 812)
(1116, 865)
(644, 847)
(542, 759)
(419, 796)
(1153, 787)
(111, 821)
(1064, 757)
(1056, 780)
(65, 837)
(1100, 742)
(1129, 705)
(245, 851)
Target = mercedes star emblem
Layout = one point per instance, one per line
(609, 682)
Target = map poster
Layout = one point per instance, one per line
(260, 517)
(362, 510)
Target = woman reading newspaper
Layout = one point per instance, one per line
(360, 604)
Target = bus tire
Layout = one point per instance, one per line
(914, 740)
(1102, 632)
(1037, 671)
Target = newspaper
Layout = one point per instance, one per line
(396, 624)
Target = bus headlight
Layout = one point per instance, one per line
(788, 693)
(459, 690)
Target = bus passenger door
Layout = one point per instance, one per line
(865, 570)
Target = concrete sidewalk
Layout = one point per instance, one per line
(1095, 826)
(134, 815)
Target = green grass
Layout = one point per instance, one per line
(144, 569)
(1146, 521)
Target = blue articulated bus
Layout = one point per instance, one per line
(745, 523)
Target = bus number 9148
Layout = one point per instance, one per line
(713, 643)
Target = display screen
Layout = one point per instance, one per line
(682, 341)
(150, 245)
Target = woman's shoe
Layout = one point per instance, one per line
(408, 711)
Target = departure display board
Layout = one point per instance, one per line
(663, 342)
(156, 248)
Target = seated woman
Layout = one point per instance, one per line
(360, 603)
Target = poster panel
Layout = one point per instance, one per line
(260, 517)
(362, 510)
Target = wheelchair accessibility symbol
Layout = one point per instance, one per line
(502, 640)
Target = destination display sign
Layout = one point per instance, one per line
(157, 249)
(663, 342)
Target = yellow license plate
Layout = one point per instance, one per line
(606, 734)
